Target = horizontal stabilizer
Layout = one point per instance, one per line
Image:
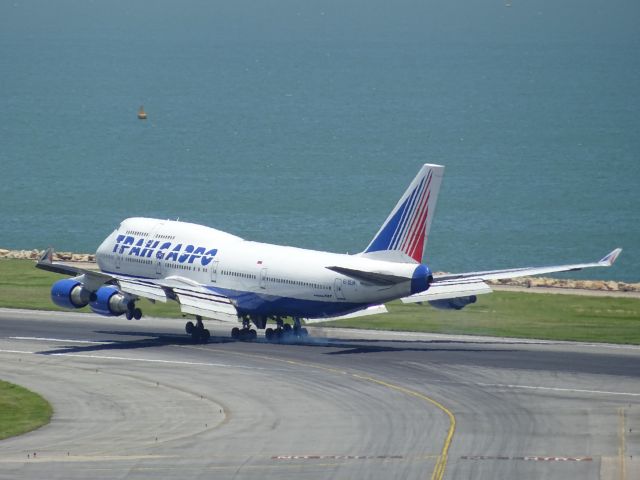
(372, 310)
(446, 291)
(375, 278)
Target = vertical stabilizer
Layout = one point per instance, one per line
(406, 229)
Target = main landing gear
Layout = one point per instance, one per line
(246, 333)
(133, 312)
(198, 333)
(284, 332)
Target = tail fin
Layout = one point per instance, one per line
(406, 229)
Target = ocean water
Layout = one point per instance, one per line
(302, 123)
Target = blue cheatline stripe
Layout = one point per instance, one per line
(407, 215)
(383, 240)
(415, 211)
(394, 233)
(262, 304)
(418, 221)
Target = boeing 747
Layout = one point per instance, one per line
(214, 274)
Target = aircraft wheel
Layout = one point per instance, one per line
(129, 315)
(137, 314)
(189, 326)
(195, 335)
(269, 334)
(253, 334)
(206, 335)
(235, 333)
(286, 328)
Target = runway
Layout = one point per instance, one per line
(137, 400)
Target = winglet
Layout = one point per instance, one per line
(45, 262)
(609, 259)
(47, 256)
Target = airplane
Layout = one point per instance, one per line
(217, 275)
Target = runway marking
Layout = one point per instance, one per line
(62, 340)
(336, 457)
(132, 359)
(621, 445)
(441, 462)
(557, 389)
(534, 458)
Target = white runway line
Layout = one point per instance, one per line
(62, 340)
(557, 389)
(133, 359)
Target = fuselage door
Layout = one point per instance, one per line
(338, 288)
(214, 271)
(263, 278)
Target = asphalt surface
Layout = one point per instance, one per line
(137, 400)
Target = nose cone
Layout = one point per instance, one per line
(421, 279)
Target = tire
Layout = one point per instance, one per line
(268, 334)
(189, 328)
(137, 314)
(235, 333)
(206, 335)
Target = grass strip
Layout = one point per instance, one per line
(21, 410)
(502, 314)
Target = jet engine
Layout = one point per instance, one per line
(70, 293)
(453, 303)
(109, 301)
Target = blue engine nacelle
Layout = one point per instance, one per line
(109, 301)
(70, 293)
(453, 303)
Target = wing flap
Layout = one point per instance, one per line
(444, 291)
(206, 304)
(372, 310)
(143, 289)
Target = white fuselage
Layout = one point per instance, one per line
(259, 278)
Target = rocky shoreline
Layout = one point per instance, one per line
(523, 282)
(57, 256)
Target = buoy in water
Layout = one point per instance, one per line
(142, 115)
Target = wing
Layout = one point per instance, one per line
(372, 310)
(193, 298)
(473, 283)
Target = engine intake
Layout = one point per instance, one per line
(110, 301)
(70, 293)
(453, 303)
